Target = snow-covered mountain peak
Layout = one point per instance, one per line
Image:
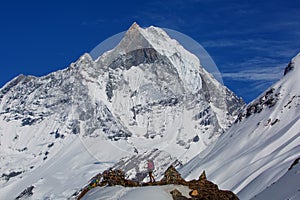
(134, 26)
(148, 68)
(156, 38)
(147, 97)
(132, 40)
(150, 45)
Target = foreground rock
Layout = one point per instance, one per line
(200, 189)
(204, 189)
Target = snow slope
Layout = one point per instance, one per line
(287, 187)
(65, 172)
(259, 148)
(146, 193)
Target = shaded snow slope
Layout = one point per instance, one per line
(287, 187)
(259, 148)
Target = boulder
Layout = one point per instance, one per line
(176, 195)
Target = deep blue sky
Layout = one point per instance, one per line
(250, 41)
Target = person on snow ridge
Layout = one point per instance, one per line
(150, 167)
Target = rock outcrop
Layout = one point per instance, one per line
(200, 189)
(205, 189)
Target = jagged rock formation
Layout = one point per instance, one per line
(172, 176)
(204, 189)
(200, 189)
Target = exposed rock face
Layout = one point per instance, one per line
(26, 193)
(200, 189)
(289, 68)
(268, 100)
(294, 163)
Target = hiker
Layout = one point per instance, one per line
(150, 167)
(94, 182)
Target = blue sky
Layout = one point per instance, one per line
(250, 41)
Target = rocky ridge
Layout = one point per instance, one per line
(199, 189)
